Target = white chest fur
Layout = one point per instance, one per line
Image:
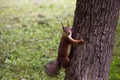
(69, 49)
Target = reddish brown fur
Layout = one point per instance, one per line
(63, 52)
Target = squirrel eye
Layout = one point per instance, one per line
(68, 33)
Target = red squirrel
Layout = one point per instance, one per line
(53, 67)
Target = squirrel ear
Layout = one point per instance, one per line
(72, 28)
(62, 24)
(63, 27)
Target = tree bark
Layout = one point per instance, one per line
(95, 21)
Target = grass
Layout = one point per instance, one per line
(115, 70)
(30, 31)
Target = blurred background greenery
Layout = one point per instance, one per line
(30, 32)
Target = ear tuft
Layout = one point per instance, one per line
(63, 27)
(62, 24)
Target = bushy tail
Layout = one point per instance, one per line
(52, 68)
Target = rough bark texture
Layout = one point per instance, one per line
(95, 21)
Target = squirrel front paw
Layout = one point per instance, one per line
(81, 40)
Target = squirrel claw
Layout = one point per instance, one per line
(81, 40)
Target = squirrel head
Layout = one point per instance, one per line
(67, 31)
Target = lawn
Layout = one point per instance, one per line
(30, 32)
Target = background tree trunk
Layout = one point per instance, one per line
(95, 21)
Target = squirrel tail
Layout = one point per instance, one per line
(52, 68)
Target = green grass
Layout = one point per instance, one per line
(30, 31)
(115, 66)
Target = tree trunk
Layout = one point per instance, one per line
(95, 21)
